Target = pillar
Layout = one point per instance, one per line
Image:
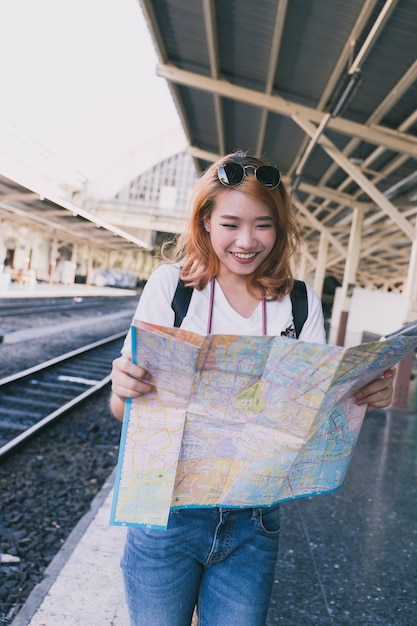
(349, 277)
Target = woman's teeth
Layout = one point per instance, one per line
(241, 255)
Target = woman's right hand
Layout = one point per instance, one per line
(128, 381)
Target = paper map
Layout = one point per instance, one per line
(239, 421)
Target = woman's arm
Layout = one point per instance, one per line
(130, 380)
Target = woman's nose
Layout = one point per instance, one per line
(245, 238)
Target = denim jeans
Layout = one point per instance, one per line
(222, 560)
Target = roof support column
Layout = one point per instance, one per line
(304, 261)
(410, 288)
(53, 255)
(74, 252)
(349, 276)
(90, 266)
(301, 272)
(404, 367)
(321, 265)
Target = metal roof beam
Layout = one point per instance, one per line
(320, 228)
(384, 107)
(272, 67)
(332, 195)
(356, 175)
(343, 60)
(373, 35)
(373, 134)
(22, 196)
(203, 155)
(338, 70)
(209, 22)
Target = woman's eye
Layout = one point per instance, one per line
(229, 225)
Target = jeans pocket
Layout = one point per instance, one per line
(268, 520)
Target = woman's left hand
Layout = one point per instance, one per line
(378, 393)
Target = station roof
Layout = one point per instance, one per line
(45, 211)
(327, 90)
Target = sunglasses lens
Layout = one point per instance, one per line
(231, 174)
(268, 176)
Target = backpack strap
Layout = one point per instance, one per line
(180, 302)
(182, 296)
(299, 305)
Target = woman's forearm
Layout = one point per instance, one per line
(117, 406)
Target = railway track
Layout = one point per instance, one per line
(35, 397)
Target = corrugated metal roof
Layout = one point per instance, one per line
(261, 76)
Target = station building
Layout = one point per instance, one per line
(95, 241)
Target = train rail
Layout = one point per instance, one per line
(35, 397)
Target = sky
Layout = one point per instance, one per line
(80, 99)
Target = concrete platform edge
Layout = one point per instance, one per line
(53, 570)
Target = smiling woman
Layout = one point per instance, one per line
(236, 254)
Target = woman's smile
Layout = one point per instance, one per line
(241, 255)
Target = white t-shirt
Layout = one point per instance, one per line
(155, 307)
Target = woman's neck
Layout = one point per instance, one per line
(238, 296)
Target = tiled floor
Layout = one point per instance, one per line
(345, 558)
(350, 557)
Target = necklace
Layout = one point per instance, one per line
(211, 304)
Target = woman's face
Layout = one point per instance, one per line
(242, 232)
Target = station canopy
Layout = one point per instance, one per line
(326, 90)
(29, 204)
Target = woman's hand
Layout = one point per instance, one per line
(128, 381)
(378, 393)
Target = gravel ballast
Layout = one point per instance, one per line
(48, 486)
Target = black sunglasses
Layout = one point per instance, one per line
(231, 174)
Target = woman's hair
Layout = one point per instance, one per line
(193, 249)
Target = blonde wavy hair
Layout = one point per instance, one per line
(193, 249)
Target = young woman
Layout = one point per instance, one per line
(237, 255)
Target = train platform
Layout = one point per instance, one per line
(48, 290)
(345, 558)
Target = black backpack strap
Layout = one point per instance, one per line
(180, 302)
(299, 305)
(182, 296)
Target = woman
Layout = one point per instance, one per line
(237, 255)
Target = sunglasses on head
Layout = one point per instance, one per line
(231, 174)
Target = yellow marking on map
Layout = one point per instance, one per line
(252, 398)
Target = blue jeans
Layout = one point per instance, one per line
(222, 560)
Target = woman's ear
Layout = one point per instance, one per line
(207, 226)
